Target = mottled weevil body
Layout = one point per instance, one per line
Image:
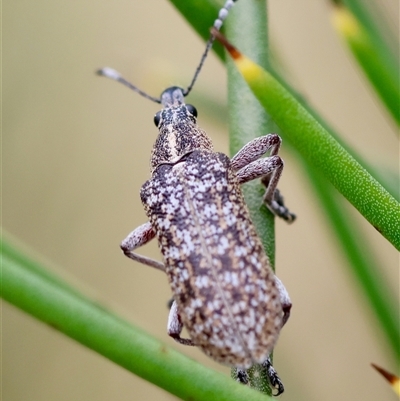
(225, 293)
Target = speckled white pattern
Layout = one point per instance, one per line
(225, 293)
(224, 289)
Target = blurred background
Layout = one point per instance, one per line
(76, 150)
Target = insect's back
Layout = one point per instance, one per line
(215, 262)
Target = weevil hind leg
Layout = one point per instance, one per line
(175, 326)
(138, 237)
(242, 376)
(284, 299)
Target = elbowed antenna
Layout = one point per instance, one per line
(116, 76)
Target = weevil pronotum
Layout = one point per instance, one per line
(225, 293)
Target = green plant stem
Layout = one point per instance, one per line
(247, 25)
(319, 148)
(373, 57)
(18, 256)
(247, 119)
(386, 41)
(360, 260)
(45, 298)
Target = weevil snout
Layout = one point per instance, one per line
(172, 97)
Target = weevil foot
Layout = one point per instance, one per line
(277, 204)
(241, 376)
(273, 377)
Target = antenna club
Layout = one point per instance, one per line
(223, 13)
(109, 73)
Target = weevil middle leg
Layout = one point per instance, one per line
(175, 326)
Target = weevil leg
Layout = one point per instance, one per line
(285, 300)
(277, 204)
(255, 149)
(138, 237)
(175, 326)
(270, 167)
(240, 375)
(273, 377)
(249, 166)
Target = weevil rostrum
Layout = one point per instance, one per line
(224, 291)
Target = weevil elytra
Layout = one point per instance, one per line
(225, 293)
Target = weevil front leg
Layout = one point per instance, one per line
(249, 166)
(138, 237)
(175, 326)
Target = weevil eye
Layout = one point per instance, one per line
(157, 118)
(192, 110)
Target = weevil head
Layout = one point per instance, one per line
(178, 130)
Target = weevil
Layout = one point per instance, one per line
(224, 291)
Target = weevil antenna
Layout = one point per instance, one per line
(116, 76)
(223, 13)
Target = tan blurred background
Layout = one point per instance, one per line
(75, 153)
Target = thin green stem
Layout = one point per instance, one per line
(319, 148)
(247, 119)
(386, 41)
(359, 258)
(45, 297)
(247, 25)
(371, 52)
